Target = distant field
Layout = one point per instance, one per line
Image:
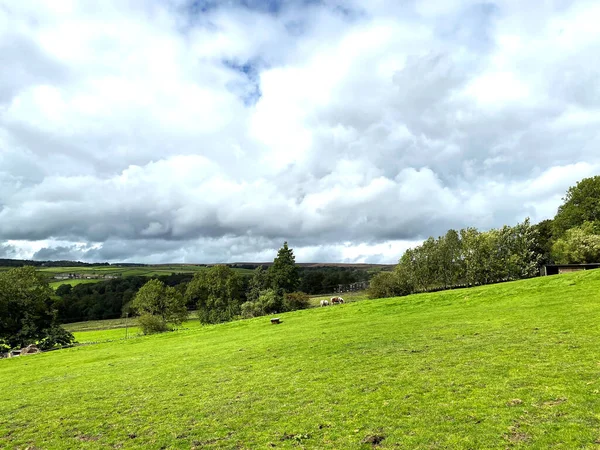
(127, 271)
(114, 329)
(75, 282)
(513, 365)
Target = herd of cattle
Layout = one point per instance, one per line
(332, 301)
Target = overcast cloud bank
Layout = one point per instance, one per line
(196, 132)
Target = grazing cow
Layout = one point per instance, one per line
(324, 303)
(335, 300)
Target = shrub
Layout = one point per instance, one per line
(389, 284)
(4, 347)
(295, 300)
(151, 324)
(251, 309)
(268, 302)
(56, 336)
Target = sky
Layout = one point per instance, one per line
(213, 131)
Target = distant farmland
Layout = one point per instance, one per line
(102, 273)
(97, 273)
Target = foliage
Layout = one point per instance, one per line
(324, 280)
(388, 284)
(217, 292)
(165, 303)
(293, 301)
(579, 245)
(283, 274)
(4, 347)
(55, 336)
(465, 258)
(510, 365)
(544, 241)
(268, 302)
(151, 324)
(27, 314)
(258, 283)
(581, 204)
(107, 299)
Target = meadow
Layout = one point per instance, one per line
(513, 365)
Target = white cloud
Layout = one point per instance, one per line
(148, 132)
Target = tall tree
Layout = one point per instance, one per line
(544, 240)
(451, 259)
(283, 274)
(27, 314)
(258, 283)
(471, 245)
(217, 292)
(524, 259)
(165, 303)
(581, 204)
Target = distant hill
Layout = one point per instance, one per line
(318, 264)
(240, 265)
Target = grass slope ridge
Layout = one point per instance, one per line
(508, 365)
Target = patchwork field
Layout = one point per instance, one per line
(514, 365)
(117, 271)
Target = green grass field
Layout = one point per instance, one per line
(55, 284)
(349, 297)
(514, 365)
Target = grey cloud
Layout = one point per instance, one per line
(8, 251)
(25, 64)
(167, 165)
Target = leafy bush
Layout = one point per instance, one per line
(251, 309)
(4, 347)
(151, 324)
(56, 336)
(217, 293)
(268, 302)
(27, 314)
(295, 300)
(389, 284)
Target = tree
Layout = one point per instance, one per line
(258, 283)
(217, 292)
(471, 248)
(544, 240)
(269, 301)
(392, 284)
(293, 301)
(579, 245)
(27, 314)
(524, 259)
(450, 260)
(159, 305)
(581, 204)
(283, 274)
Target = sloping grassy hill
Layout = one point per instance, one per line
(515, 365)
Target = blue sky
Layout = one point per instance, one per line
(213, 131)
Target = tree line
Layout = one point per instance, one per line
(470, 257)
(31, 313)
(109, 299)
(219, 296)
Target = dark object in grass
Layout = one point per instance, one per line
(275, 320)
(374, 439)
